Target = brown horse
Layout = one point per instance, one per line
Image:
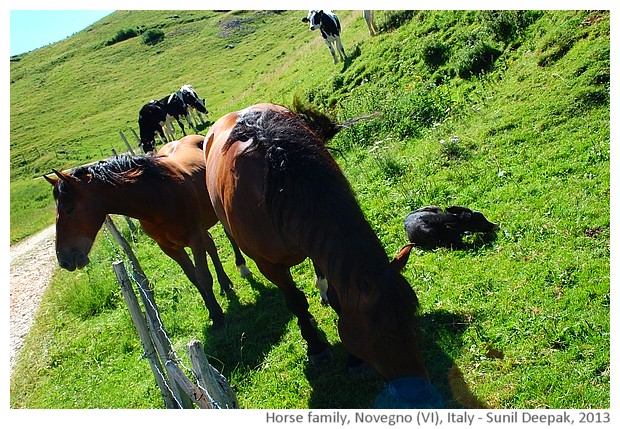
(166, 193)
(283, 198)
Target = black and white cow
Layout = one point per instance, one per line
(329, 25)
(156, 116)
(175, 107)
(151, 121)
(195, 105)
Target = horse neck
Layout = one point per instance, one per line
(347, 249)
(357, 267)
(129, 199)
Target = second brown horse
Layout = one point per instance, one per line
(283, 198)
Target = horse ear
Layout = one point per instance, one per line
(399, 262)
(51, 180)
(67, 178)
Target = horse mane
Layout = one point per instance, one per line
(310, 201)
(124, 169)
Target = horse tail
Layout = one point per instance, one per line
(323, 125)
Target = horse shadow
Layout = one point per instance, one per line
(439, 331)
(249, 335)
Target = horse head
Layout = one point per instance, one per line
(77, 223)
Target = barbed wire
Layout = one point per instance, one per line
(172, 354)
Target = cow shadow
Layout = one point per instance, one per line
(356, 52)
(202, 128)
(472, 242)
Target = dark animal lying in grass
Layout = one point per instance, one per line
(431, 227)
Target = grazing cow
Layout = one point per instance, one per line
(431, 227)
(369, 17)
(329, 25)
(151, 120)
(175, 108)
(195, 105)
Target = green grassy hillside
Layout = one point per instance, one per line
(504, 112)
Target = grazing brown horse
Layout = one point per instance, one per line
(283, 198)
(166, 193)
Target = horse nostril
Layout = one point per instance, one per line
(81, 260)
(66, 265)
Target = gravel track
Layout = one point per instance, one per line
(32, 264)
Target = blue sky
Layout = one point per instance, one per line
(31, 29)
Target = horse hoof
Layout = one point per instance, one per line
(219, 323)
(321, 357)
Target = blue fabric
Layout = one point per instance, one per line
(409, 392)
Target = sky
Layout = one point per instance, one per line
(32, 29)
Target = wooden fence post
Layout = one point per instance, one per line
(210, 379)
(160, 338)
(197, 395)
(143, 332)
(129, 148)
(213, 390)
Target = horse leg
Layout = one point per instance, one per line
(222, 277)
(320, 281)
(200, 277)
(297, 303)
(355, 365)
(244, 271)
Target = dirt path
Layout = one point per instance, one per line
(32, 264)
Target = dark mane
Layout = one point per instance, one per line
(313, 206)
(123, 169)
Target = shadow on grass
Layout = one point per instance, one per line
(334, 388)
(252, 330)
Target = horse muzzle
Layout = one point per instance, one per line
(409, 392)
(74, 260)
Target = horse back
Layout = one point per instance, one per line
(188, 194)
(235, 179)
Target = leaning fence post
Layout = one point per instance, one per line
(210, 379)
(195, 393)
(158, 333)
(143, 332)
(129, 148)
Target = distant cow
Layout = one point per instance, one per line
(369, 17)
(151, 121)
(329, 25)
(175, 107)
(431, 227)
(156, 116)
(195, 105)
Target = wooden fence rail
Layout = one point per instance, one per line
(211, 389)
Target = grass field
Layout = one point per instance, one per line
(504, 112)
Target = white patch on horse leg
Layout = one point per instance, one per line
(244, 271)
(322, 285)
